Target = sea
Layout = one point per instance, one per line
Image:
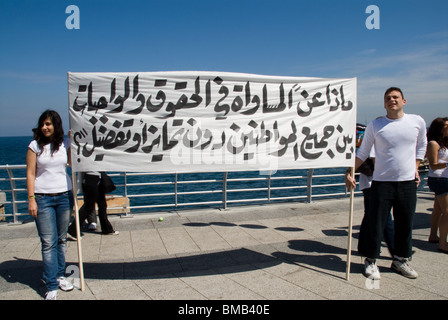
(247, 184)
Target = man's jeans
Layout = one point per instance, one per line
(53, 217)
(389, 233)
(402, 197)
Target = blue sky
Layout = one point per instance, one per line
(319, 38)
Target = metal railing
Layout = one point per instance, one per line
(148, 192)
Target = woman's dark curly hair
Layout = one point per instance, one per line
(58, 135)
(435, 132)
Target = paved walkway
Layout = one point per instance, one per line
(278, 251)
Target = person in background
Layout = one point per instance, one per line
(437, 154)
(399, 142)
(50, 198)
(94, 192)
(365, 183)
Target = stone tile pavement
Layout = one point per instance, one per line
(286, 251)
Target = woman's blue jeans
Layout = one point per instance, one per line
(53, 217)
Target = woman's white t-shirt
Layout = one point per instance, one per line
(51, 170)
(442, 157)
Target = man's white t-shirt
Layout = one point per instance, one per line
(397, 144)
(51, 173)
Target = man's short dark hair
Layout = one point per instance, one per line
(393, 89)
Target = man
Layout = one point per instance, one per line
(399, 142)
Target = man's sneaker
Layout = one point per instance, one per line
(403, 267)
(51, 295)
(64, 284)
(371, 270)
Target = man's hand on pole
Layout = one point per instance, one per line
(350, 181)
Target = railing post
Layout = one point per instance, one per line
(13, 194)
(175, 189)
(269, 186)
(127, 213)
(309, 186)
(224, 191)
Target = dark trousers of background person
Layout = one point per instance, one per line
(402, 197)
(93, 193)
(388, 234)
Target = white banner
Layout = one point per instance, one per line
(209, 121)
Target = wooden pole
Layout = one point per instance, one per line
(78, 232)
(350, 225)
(75, 199)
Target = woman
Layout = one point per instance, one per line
(437, 155)
(50, 197)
